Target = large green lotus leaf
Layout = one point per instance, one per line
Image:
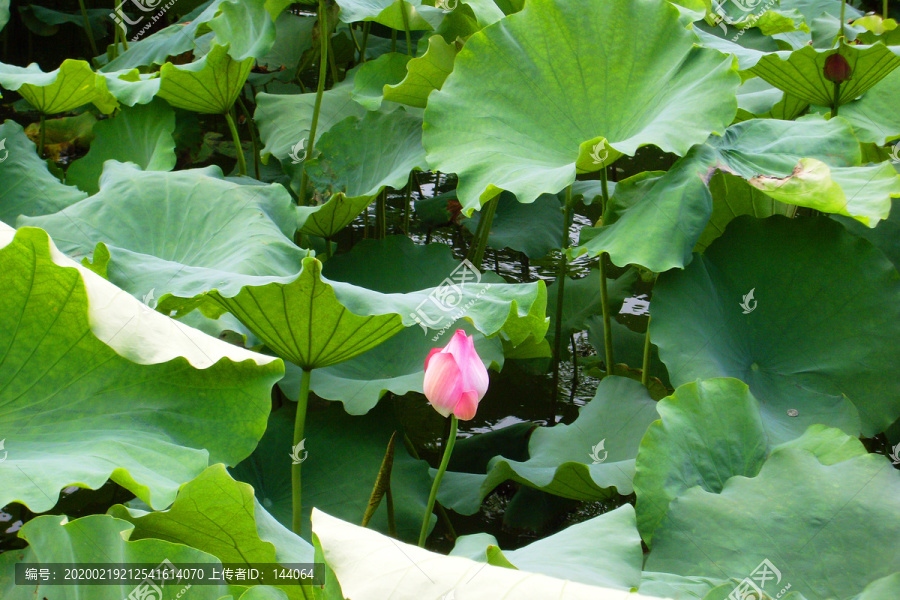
(679, 587)
(293, 37)
(142, 135)
(574, 554)
(563, 460)
(424, 74)
(284, 120)
(541, 94)
(209, 85)
(655, 219)
(360, 157)
(419, 16)
(138, 398)
(4, 13)
(26, 185)
(246, 27)
(829, 516)
(216, 514)
(130, 86)
(97, 539)
(874, 116)
(221, 229)
(370, 565)
(374, 75)
(534, 229)
(886, 236)
(797, 340)
(861, 192)
(72, 85)
(709, 431)
(339, 472)
(732, 197)
(801, 73)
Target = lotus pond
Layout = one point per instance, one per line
(449, 299)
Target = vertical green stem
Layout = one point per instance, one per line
(241, 162)
(560, 292)
(324, 33)
(362, 52)
(476, 253)
(299, 424)
(381, 215)
(409, 49)
(407, 206)
(41, 140)
(884, 10)
(604, 294)
(253, 137)
(645, 367)
(451, 440)
(843, 21)
(87, 28)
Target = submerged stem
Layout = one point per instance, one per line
(241, 162)
(299, 424)
(451, 440)
(324, 32)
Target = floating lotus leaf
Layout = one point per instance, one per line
(142, 135)
(592, 458)
(26, 186)
(782, 338)
(72, 85)
(709, 431)
(209, 85)
(367, 563)
(424, 74)
(216, 514)
(828, 517)
(73, 339)
(529, 105)
(801, 73)
(284, 120)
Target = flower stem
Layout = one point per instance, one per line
(324, 32)
(451, 440)
(409, 50)
(299, 424)
(241, 162)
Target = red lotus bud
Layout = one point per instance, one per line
(837, 69)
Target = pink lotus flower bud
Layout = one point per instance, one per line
(455, 377)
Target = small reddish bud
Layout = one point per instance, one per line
(837, 69)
